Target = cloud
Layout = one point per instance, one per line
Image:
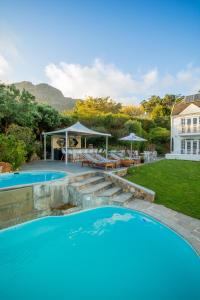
(4, 66)
(97, 80)
(100, 79)
(10, 56)
(9, 42)
(150, 78)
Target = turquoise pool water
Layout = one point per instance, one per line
(20, 178)
(105, 253)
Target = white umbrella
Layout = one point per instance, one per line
(132, 137)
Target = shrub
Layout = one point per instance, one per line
(24, 134)
(133, 126)
(12, 150)
(160, 137)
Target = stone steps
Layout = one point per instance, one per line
(94, 189)
(113, 191)
(97, 191)
(122, 198)
(87, 182)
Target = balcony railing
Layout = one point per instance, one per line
(189, 129)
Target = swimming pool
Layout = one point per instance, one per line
(104, 253)
(24, 178)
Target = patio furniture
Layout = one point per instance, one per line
(150, 156)
(101, 158)
(135, 156)
(132, 137)
(127, 162)
(91, 161)
(123, 161)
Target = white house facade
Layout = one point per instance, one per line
(185, 129)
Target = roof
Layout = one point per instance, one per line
(75, 129)
(179, 107)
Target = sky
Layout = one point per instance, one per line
(128, 50)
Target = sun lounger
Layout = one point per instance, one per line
(123, 161)
(101, 158)
(91, 161)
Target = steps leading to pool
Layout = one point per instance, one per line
(96, 190)
(87, 182)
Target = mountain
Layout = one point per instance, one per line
(45, 93)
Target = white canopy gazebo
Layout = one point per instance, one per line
(76, 129)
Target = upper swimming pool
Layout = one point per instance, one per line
(106, 253)
(23, 178)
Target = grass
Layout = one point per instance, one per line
(176, 183)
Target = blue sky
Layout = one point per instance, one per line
(125, 49)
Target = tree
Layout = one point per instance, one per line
(133, 126)
(96, 106)
(12, 150)
(158, 111)
(156, 105)
(160, 137)
(16, 107)
(133, 110)
(24, 134)
(150, 104)
(47, 118)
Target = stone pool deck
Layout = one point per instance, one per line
(71, 168)
(187, 227)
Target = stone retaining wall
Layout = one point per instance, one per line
(20, 204)
(139, 191)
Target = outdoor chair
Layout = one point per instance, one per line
(91, 161)
(123, 161)
(102, 158)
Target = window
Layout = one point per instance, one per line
(188, 125)
(182, 146)
(188, 144)
(183, 125)
(183, 122)
(194, 147)
(194, 121)
(194, 124)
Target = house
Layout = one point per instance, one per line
(185, 129)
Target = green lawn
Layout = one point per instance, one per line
(176, 183)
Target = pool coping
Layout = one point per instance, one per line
(185, 226)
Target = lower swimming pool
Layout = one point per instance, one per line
(23, 178)
(104, 253)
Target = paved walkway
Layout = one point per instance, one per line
(186, 226)
(71, 168)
